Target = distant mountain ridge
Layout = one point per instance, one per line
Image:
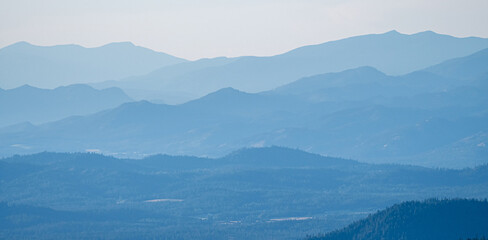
(466, 68)
(392, 53)
(36, 105)
(430, 219)
(53, 66)
(360, 114)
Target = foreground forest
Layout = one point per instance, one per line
(260, 193)
(431, 219)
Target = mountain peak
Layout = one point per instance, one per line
(224, 92)
(355, 73)
(119, 44)
(228, 90)
(134, 110)
(21, 43)
(393, 32)
(223, 96)
(18, 45)
(25, 87)
(283, 156)
(427, 32)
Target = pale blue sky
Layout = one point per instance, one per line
(195, 29)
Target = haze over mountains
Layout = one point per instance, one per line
(35, 105)
(50, 67)
(361, 123)
(392, 53)
(418, 118)
(149, 75)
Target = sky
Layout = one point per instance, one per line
(194, 29)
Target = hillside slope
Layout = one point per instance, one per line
(431, 219)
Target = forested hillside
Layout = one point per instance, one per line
(258, 193)
(430, 219)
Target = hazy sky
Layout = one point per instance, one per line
(199, 28)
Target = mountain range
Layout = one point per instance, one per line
(392, 53)
(53, 66)
(421, 118)
(34, 105)
(340, 140)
